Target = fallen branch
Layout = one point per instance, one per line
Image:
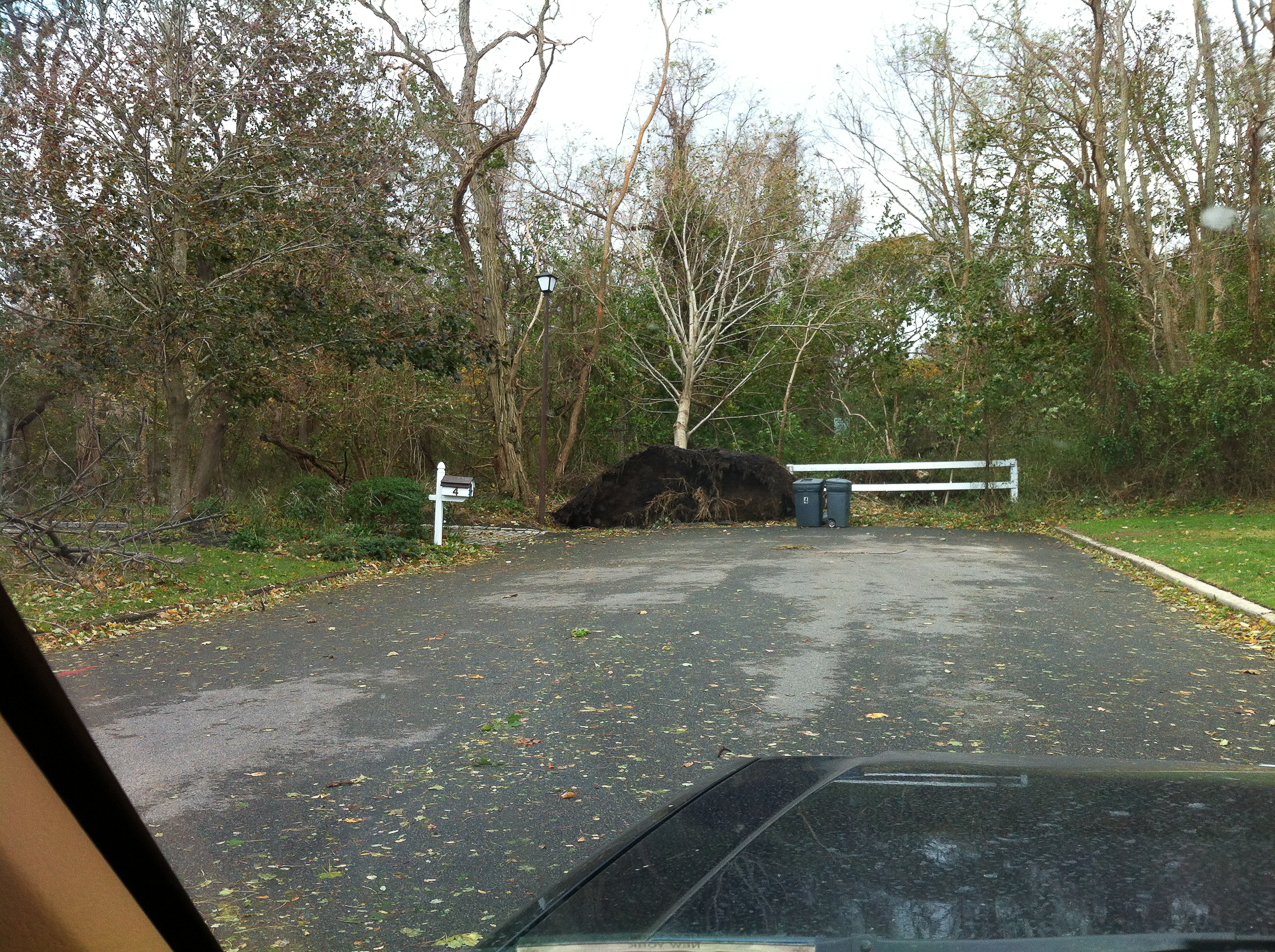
(30, 531)
(303, 457)
(40, 406)
(168, 527)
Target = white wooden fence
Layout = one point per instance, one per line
(1011, 484)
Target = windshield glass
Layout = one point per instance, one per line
(974, 853)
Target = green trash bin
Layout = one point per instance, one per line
(838, 502)
(807, 497)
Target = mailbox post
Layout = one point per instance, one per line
(448, 489)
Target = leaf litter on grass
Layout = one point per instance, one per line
(221, 581)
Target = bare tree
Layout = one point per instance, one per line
(724, 247)
(474, 127)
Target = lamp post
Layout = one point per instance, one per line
(548, 281)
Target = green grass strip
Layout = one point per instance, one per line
(209, 573)
(1234, 552)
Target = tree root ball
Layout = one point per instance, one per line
(677, 485)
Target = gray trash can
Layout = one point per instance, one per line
(807, 496)
(838, 502)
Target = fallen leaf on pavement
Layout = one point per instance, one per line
(875, 716)
(514, 595)
(460, 941)
(1250, 671)
(351, 782)
(569, 795)
(528, 741)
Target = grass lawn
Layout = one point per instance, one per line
(208, 573)
(1235, 552)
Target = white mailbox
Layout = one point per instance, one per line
(456, 487)
(448, 489)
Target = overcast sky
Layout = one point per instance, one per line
(787, 52)
(790, 52)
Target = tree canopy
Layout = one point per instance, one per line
(244, 238)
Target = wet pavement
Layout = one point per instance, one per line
(392, 763)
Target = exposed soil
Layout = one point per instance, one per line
(677, 485)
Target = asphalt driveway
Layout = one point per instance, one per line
(394, 763)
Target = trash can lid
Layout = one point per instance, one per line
(806, 485)
(842, 485)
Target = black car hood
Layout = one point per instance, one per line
(933, 847)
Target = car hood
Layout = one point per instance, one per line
(921, 847)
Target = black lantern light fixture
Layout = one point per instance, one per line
(547, 281)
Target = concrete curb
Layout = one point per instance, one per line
(1211, 592)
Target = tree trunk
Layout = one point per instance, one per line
(1111, 356)
(502, 376)
(6, 439)
(510, 471)
(1156, 281)
(178, 411)
(212, 448)
(1204, 247)
(152, 456)
(88, 437)
(1257, 70)
(683, 418)
(1252, 237)
(808, 335)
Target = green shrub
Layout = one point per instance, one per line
(248, 539)
(340, 547)
(386, 502)
(310, 499)
(210, 506)
(1205, 429)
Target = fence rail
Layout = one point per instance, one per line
(1011, 484)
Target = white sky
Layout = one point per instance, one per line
(788, 53)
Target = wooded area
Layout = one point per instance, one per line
(247, 240)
